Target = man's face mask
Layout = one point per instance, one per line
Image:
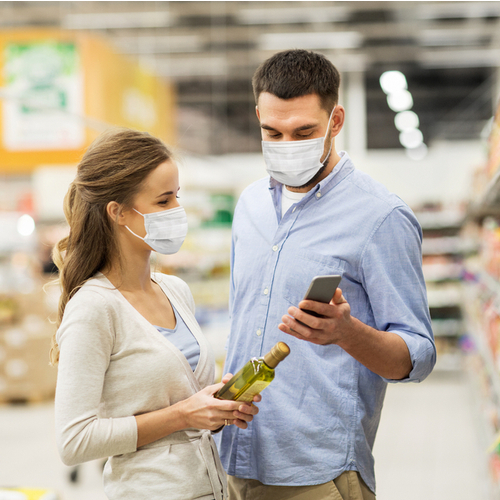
(295, 163)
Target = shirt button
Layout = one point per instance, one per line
(266, 291)
(275, 247)
(318, 194)
(259, 332)
(294, 208)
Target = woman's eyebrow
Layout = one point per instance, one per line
(163, 194)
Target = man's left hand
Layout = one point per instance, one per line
(334, 323)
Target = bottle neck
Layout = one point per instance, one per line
(271, 361)
(278, 353)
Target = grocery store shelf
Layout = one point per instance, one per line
(489, 203)
(450, 245)
(443, 219)
(487, 357)
(442, 272)
(444, 296)
(447, 327)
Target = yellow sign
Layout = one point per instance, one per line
(59, 90)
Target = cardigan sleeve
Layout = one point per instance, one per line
(86, 341)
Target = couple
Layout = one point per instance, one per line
(135, 380)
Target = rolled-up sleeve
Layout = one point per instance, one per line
(393, 279)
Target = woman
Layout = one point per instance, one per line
(134, 368)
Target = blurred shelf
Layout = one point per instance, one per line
(447, 327)
(448, 295)
(449, 245)
(489, 203)
(443, 219)
(487, 357)
(442, 272)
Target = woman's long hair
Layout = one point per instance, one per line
(113, 168)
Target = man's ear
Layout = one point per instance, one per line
(114, 211)
(337, 120)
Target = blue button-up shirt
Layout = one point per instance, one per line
(319, 416)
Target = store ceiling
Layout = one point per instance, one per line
(449, 52)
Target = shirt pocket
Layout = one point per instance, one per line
(307, 265)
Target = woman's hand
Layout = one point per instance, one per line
(203, 411)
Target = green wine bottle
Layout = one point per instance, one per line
(255, 376)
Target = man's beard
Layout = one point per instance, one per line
(316, 176)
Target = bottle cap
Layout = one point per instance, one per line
(278, 353)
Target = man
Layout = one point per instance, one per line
(317, 215)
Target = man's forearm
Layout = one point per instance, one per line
(384, 353)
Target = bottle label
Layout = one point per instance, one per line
(253, 390)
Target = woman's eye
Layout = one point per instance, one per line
(164, 202)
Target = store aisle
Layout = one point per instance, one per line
(29, 458)
(428, 444)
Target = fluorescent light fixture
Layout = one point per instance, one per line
(450, 37)
(191, 66)
(25, 225)
(474, 58)
(418, 153)
(456, 10)
(411, 138)
(400, 101)
(328, 40)
(111, 20)
(292, 15)
(159, 44)
(393, 81)
(406, 120)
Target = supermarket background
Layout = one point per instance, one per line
(182, 70)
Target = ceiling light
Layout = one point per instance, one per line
(159, 44)
(337, 40)
(108, 20)
(411, 138)
(393, 81)
(406, 120)
(400, 101)
(25, 225)
(418, 153)
(293, 15)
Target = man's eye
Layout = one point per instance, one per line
(303, 136)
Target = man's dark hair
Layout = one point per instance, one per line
(294, 73)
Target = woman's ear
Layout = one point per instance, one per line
(115, 212)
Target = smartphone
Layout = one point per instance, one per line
(322, 289)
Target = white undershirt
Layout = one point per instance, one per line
(288, 198)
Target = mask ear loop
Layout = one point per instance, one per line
(328, 130)
(140, 237)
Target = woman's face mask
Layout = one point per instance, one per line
(295, 163)
(165, 230)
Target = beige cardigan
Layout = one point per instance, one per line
(113, 365)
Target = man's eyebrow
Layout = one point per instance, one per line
(298, 129)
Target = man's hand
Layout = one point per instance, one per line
(384, 353)
(334, 324)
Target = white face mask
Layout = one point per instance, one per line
(165, 230)
(295, 163)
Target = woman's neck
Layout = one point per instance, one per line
(132, 272)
